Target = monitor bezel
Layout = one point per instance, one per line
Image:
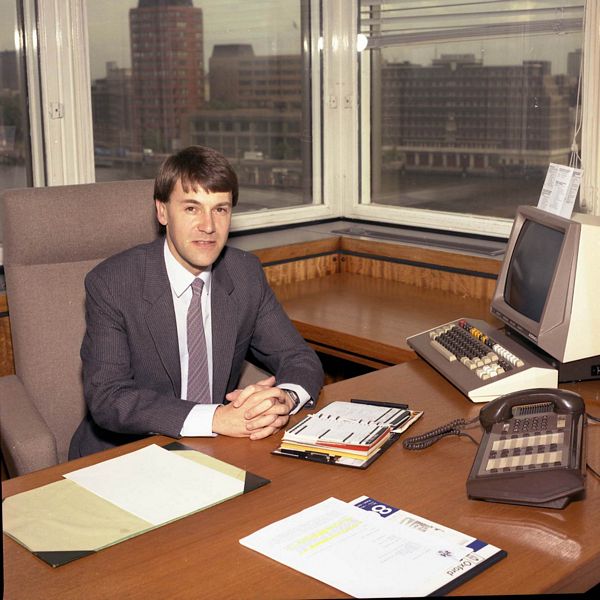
(552, 329)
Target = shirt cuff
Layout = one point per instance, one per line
(303, 396)
(198, 423)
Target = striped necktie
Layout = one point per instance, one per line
(198, 387)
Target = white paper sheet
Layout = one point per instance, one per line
(403, 517)
(560, 190)
(356, 412)
(157, 485)
(360, 553)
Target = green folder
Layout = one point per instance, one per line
(63, 521)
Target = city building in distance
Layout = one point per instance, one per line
(167, 68)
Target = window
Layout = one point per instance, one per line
(134, 112)
(15, 155)
(14, 149)
(467, 105)
(395, 130)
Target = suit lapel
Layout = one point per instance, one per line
(160, 313)
(224, 327)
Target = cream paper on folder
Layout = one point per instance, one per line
(157, 485)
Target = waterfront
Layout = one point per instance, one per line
(476, 195)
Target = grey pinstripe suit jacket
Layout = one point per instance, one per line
(130, 355)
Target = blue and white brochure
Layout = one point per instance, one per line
(480, 555)
(368, 551)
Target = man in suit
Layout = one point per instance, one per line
(139, 370)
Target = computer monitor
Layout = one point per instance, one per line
(548, 289)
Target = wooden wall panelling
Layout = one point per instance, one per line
(302, 269)
(421, 255)
(459, 274)
(7, 365)
(463, 285)
(296, 251)
(300, 261)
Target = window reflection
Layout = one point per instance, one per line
(177, 72)
(13, 122)
(469, 106)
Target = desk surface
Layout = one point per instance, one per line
(548, 550)
(369, 319)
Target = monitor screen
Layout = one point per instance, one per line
(532, 268)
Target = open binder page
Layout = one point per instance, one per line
(157, 485)
(364, 413)
(351, 434)
(336, 432)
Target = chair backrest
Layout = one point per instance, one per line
(52, 237)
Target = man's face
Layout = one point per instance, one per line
(197, 224)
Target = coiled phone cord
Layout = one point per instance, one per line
(420, 442)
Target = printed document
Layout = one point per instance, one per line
(560, 190)
(361, 554)
(157, 485)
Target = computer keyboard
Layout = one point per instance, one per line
(482, 362)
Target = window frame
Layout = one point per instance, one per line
(63, 153)
(64, 144)
(64, 85)
(475, 224)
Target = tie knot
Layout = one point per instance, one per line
(197, 286)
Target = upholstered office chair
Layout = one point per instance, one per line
(52, 237)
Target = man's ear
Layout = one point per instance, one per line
(161, 212)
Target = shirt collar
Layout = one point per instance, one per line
(179, 277)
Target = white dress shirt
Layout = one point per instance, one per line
(199, 420)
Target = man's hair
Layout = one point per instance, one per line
(196, 167)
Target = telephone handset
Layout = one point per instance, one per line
(533, 449)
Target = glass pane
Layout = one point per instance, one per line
(222, 73)
(470, 102)
(13, 122)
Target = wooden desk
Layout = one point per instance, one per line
(367, 320)
(200, 556)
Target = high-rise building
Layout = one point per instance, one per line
(459, 115)
(9, 76)
(11, 110)
(255, 116)
(167, 67)
(111, 110)
(239, 78)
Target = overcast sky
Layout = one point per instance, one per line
(225, 21)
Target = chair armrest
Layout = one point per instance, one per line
(251, 374)
(26, 442)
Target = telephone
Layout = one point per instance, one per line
(533, 449)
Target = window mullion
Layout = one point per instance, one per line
(29, 48)
(590, 134)
(65, 91)
(340, 83)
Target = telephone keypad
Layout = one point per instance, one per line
(521, 443)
